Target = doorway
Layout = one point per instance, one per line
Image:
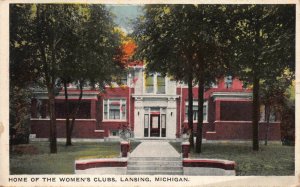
(155, 125)
(155, 122)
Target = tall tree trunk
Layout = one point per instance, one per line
(75, 111)
(53, 141)
(268, 112)
(200, 111)
(255, 112)
(49, 77)
(190, 111)
(67, 113)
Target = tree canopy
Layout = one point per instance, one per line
(67, 42)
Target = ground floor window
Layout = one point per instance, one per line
(195, 110)
(84, 110)
(114, 109)
(236, 111)
(40, 109)
(273, 117)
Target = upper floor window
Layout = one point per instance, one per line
(195, 111)
(161, 84)
(149, 83)
(114, 109)
(228, 81)
(155, 83)
(124, 79)
(263, 112)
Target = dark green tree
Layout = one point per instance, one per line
(23, 71)
(63, 43)
(263, 41)
(186, 42)
(93, 56)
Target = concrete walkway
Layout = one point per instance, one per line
(154, 149)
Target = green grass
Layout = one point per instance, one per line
(273, 159)
(34, 158)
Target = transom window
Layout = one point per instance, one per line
(155, 83)
(114, 109)
(195, 111)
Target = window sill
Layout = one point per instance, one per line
(186, 121)
(114, 120)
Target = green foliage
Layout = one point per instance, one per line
(50, 43)
(187, 42)
(177, 39)
(262, 40)
(19, 115)
(262, 48)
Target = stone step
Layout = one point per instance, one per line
(154, 159)
(155, 163)
(154, 172)
(149, 167)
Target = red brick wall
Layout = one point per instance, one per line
(229, 130)
(206, 127)
(82, 129)
(118, 92)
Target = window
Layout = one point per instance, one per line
(161, 83)
(263, 114)
(149, 83)
(114, 109)
(155, 83)
(228, 81)
(124, 79)
(114, 133)
(195, 111)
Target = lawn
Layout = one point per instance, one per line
(34, 158)
(273, 159)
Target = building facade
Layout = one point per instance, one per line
(154, 107)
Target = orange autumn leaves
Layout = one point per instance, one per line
(128, 49)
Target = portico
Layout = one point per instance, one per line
(155, 116)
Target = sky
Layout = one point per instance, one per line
(124, 14)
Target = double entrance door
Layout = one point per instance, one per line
(155, 123)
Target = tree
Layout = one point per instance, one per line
(263, 41)
(54, 44)
(23, 71)
(186, 42)
(274, 96)
(164, 49)
(92, 56)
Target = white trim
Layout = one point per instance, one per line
(195, 103)
(121, 100)
(59, 119)
(99, 131)
(218, 121)
(247, 95)
(113, 120)
(155, 96)
(154, 75)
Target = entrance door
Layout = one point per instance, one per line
(155, 125)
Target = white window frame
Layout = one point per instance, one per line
(122, 100)
(262, 114)
(155, 86)
(195, 103)
(228, 81)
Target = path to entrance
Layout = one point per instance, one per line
(154, 149)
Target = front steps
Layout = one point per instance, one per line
(154, 166)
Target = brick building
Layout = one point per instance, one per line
(154, 107)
